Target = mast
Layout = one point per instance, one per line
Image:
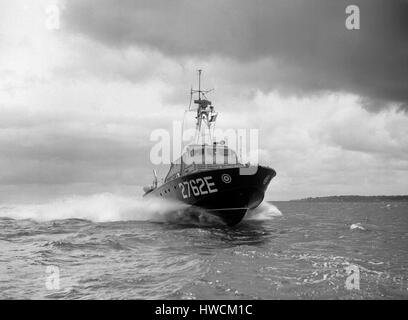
(205, 112)
(199, 84)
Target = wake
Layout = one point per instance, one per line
(105, 207)
(108, 207)
(265, 211)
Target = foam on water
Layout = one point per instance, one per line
(265, 211)
(357, 226)
(98, 208)
(108, 207)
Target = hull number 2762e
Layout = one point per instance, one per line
(197, 187)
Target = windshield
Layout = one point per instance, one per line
(210, 155)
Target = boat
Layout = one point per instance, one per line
(209, 175)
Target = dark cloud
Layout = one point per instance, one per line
(308, 39)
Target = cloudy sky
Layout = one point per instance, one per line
(80, 95)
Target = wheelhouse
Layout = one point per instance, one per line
(201, 158)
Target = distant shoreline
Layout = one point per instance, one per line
(353, 198)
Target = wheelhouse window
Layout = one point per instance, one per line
(208, 154)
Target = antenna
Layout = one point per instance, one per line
(199, 84)
(240, 147)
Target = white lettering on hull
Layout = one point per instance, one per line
(197, 187)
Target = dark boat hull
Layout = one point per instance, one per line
(224, 192)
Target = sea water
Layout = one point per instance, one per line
(109, 246)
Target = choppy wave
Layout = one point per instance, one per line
(308, 253)
(107, 207)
